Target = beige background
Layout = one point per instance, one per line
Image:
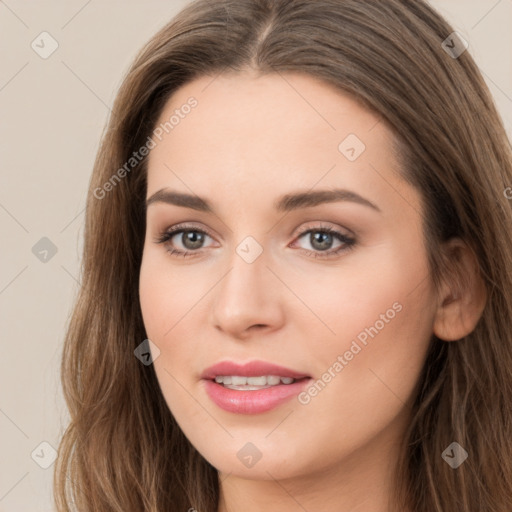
(52, 113)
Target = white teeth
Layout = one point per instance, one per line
(253, 382)
(257, 381)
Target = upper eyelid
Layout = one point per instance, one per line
(323, 226)
(318, 227)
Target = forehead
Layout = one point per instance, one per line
(253, 135)
(274, 111)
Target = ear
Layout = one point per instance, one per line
(463, 294)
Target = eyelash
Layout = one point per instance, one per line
(348, 242)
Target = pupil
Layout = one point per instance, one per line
(194, 238)
(324, 240)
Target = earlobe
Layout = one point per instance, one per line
(463, 295)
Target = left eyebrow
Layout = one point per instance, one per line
(285, 203)
(314, 198)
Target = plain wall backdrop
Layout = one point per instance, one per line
(52, 113)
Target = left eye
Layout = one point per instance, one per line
(320, 239)
(322, 236)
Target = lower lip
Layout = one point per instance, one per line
(255, 401)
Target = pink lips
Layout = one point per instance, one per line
(251, 401)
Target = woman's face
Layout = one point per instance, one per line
(349, 312)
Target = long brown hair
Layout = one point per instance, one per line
(123, 450)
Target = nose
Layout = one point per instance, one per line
(247, 300)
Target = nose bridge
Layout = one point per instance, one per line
(245, 297)
(247, 276)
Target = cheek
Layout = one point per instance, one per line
(172, 300)
(164, 308)
(383, 325)
(366, 374)
(384, 289)
(380, 317)
(166, 295)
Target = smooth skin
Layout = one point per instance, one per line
(250, 140)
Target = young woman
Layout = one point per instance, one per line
(297, 271)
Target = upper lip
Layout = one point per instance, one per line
(250, 369)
